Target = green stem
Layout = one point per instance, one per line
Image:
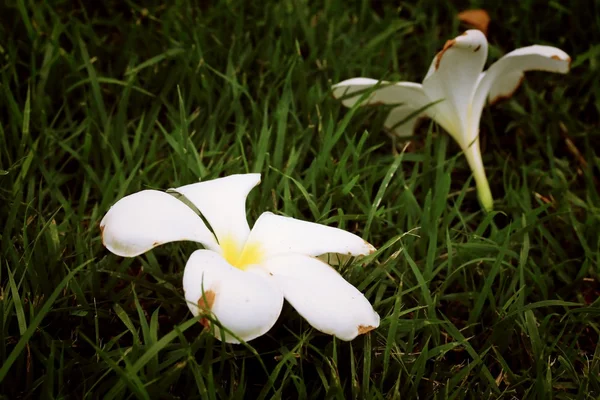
(473, 154)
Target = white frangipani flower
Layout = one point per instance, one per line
(456, 90)
(243, 275)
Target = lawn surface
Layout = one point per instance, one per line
(103, 99)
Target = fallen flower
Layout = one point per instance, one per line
(243, 275)
(454, 92)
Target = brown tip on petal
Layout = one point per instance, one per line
(568, 60)
(204, 322)
(205, 303)
(362, 329)
(503, 97)
(371, 248)
(438, 57)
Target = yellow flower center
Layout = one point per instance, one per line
(240, 256)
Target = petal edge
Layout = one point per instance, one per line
(222, 202)
(503, 77)
(276, 234)
(247, 303)
(144, 220)
(323, 297)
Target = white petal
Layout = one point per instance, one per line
(409, 94)
(453, 76)
(247, 303)
(395, 124)
(322, 296)
(274, 234)
(387, 93)
(143, 220)
(503, 78)
(223, 203)
(503, 88)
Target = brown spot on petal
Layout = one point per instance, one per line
(205, 304)
(204, 322)
(362, 329)
(477, 49)
(371, 248)
(502, 97)
(438, 57)
(557, 58)
(156, 244)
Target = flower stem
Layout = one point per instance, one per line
(473, 154)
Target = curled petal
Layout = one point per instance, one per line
(274, 234)
(503, 78)
(403, 120)
(322, 296)
(409, 97)
(387, 93)
(223, 203)
(453, 76)
(247, 303)
(144, 220)
(503, 88)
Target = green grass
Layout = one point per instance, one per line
(100, 101)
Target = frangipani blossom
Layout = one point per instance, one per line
(454, 92)
(243, 275)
